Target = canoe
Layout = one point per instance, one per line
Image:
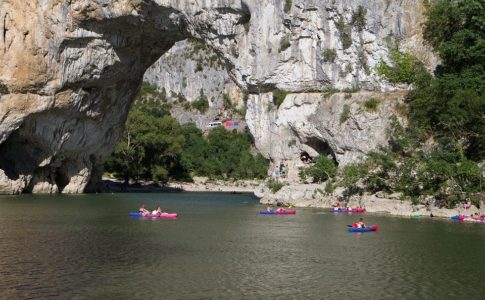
(162, 215)
(366, 229)
(286, 212)
(467, 218)
(354, 210)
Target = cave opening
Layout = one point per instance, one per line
(321, 147)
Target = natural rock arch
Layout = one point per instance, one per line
(72, 71)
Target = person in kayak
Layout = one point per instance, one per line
(280, 209)
(269, 208)
(143, 210)
(157, 211)
(476, 217)
(336, 206)
(359, 224)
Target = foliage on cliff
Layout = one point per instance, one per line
(156, 147)
(439, 153)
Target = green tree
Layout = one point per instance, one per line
(323, 169)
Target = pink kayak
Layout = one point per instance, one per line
(274, 212)
(354, 210)
(162, 215)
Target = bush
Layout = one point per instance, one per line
(287, 7)
(323, 169)
(329, 187)
(405, 68)
(329, 92)
(358, 18)
(345, 113)
(346, 40)
(279, 96)
(329, 55)
(371, 104)
(201, 104)
(351, 90)
(275, 186)
(285, 42)
(199, 67)
(226, 102)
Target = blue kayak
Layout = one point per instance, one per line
(274, 212)
(365, 229)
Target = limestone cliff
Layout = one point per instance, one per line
(70, 70)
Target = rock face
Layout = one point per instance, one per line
(69, 73)
(339, 125)
(70, 70)
(189, 70)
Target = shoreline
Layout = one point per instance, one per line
(297, 195)
(199, 185)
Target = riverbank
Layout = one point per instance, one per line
(312, 195)
(200, 184)
(297, 195)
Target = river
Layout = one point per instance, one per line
(220, 247)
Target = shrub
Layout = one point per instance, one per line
(275, 186)
(201, 104)
(345, 113)
(351, 90)
(181, 98)
(226, 101)
(405, 68)
(329, 187)
(329, 55)
(358, 18)
(330, 91)
(346, 40)
(285, 42)
(287, 7)
(371, 104)
(323, 169)
(279, 96)
(199, 67)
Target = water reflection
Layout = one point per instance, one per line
(220, 247)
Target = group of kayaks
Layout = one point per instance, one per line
(463, 218)
(352, 228)
(348, 211)
(153, 216)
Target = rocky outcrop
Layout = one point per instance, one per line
(308, 48)
(69, 73)
(191, 70)
(340, 125)
(72, 68)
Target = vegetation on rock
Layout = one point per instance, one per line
(156, 147)
(441, 151)
(329, 55)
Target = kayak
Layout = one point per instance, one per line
(354, 210)
(162, 215)
(286, 212)
(467, 219)
(365, 229)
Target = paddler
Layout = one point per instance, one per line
(143, 210)
(359, 224)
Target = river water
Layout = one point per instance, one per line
(220, 247)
